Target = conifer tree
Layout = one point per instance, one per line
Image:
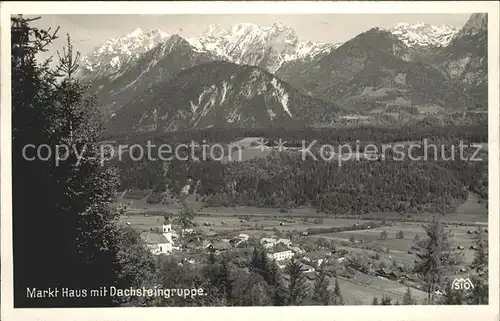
(452, 296)
(408, 298)
(480, 262)
(322, 294)
(212, 259)
(416, 241)
(224, 278)
(263, 265)
(72, 222)
(338, 299)
(255, 260)
(386, 300)
(280, 295)
(137, 267)
(297, 284)
(185, 219)
(479, 294)
(435, 258)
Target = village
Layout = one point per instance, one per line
(376, 257)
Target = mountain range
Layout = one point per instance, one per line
(254, 76)
(222, 94)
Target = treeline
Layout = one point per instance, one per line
(345, 134)
(435, 183)
(285, 180)
(472, 175)
(324, 230)
(356, 187)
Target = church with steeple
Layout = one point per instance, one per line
(160, 242)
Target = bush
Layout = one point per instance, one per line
(383, 235)
(155, 198)
(323, 242)
(318, 220)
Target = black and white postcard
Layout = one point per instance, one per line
(298, 161)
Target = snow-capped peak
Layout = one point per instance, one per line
(136, 33)
(215, 31)
(242, 27)
(248, 43)
(278, 26)
(242, 43)
(423, 34)
(309, 49)
(116, 52)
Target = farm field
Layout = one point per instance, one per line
(257, 221)
(471, 212)
(363, 288)
(231, 222)
(398, 248)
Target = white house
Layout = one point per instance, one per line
(307, 268)
(318, 256)
(159, 243)
(280, 255)
(243, 237)
(187, 231)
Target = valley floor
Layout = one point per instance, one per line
(216, 224)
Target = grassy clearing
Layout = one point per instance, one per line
(398, 248)
(363, 288)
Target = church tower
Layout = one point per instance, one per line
(167, 229)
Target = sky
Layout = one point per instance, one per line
(89, 31)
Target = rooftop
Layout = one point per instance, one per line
(306, 267)
(279, 248)
(153, 238)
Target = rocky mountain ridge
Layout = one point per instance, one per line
(381, 75)
(221, 94)
(245, 43)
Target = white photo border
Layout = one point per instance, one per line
(337, 313)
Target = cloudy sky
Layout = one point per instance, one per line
(89, 31)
